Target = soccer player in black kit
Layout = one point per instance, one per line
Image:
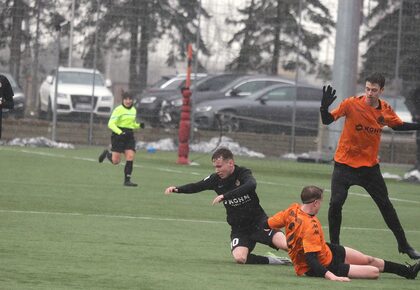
(235, 187)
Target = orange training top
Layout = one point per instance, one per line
(304, 235)
(359, 141)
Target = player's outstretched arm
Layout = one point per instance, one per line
(406, 126)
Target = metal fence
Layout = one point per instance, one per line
(135, 43)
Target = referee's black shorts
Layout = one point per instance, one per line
(120, 143)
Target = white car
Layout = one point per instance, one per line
(74, 93)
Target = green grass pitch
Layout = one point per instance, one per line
(66, 222)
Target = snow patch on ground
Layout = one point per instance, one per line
(168, 144)
(412, 176)
(37, 142)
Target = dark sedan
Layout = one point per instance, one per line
(268, 110)
(241, 86)
(18, 98)
(149, 103)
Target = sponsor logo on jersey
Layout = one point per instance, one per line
(238, 200)
(370, 130)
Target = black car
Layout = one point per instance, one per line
(149, 103)
(268, 110)
(222, 87)
(19, 98)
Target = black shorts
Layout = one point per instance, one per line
(250, 237)
(120, 143)
(337, 265)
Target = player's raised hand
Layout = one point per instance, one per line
(328, 96)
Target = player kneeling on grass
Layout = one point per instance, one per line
(122, 123)
(235, 187)
(312, 256)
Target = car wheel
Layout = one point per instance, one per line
(165, 119)
(228, 121)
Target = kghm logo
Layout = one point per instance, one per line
(370, 130)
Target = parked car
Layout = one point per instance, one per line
(239, 86)
(19, 98)
(149, 105)
(174, 82)
(269, 110)
(74, 93)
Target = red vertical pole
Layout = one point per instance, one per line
(185, 121)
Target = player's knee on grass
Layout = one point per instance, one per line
(240, 257)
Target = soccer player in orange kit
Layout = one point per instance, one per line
(356, 157)
(312, 256)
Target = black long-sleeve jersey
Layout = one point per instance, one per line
(242, 204)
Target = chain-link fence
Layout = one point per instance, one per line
(136, 44)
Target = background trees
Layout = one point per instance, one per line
(257, 36)
(269, 35)
(393, 36)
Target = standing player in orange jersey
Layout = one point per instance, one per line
(312, 256)
(356, 157)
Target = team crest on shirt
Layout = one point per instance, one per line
(237, 182)
(381, 120)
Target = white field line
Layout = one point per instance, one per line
(196, 173)
(162, 219)
(108, 216)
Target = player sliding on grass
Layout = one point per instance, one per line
(356, 157)
(235, 187)
(312, 256)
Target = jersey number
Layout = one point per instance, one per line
(234, 243)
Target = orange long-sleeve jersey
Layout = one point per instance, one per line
(361, 136)
(303, 234)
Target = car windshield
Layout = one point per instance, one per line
(216, 83)
(178, 84)
(160, 82)
(82, 78)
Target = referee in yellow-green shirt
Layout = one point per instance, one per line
(122, 123)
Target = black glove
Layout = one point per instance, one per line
(142, 125)
(328, 97)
